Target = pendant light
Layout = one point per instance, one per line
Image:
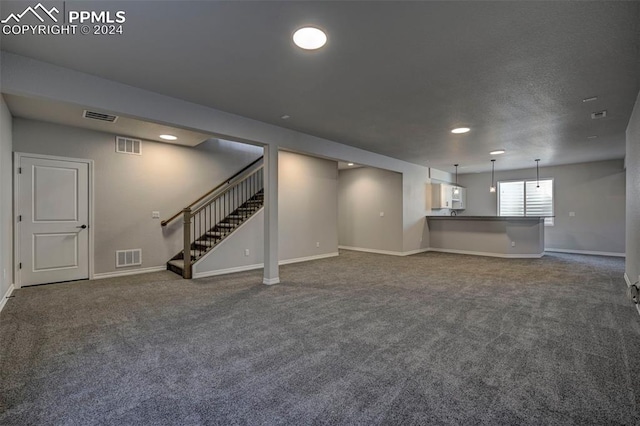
(456, 190)
(537, 173)
(492, 188)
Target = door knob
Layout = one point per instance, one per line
(83, 226)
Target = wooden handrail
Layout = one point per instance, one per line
(226, 182)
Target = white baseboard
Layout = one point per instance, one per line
(128, 272)
(270, 281)
(308, 258)
(260, 266)
(387, 252)
(592, 253)
(488, 254)
(6, 296)
(226, 271)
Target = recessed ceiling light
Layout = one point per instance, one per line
(309, 38)
(593, 98)
(168, 137)
(349, 164)
(497, 152)
(285, 117)
(460, 130)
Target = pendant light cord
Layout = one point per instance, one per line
(537, 173)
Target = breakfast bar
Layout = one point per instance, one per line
(497, 236)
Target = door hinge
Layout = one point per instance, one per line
(20, 218)
(20, 265)
(19, 170)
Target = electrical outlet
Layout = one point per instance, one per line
(317, 243)
(572, 214)
(513, 243)
(246, 252)
(155, 215)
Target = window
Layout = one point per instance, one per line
(524, 198)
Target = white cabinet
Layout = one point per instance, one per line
(459, 200)
(444, 196)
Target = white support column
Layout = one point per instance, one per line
(271, 272)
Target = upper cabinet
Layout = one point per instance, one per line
(445, 196)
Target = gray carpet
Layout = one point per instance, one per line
(359, 339)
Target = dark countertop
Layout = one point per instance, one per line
(501, 218)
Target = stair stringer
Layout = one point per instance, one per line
(229, 255)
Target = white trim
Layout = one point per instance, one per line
(17, 157)
(6, 296)
(592, 253)
(387, 252)
(483, 253)
(308, 258)
(271, 281)
(228, 270)
(104, 275)
(260, 266)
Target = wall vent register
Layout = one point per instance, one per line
(131, 257)
(92, 115)
(128, 145)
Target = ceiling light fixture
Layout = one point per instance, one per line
(309, 38)
(349, 164)
(168, 137)
(459, 130)
(593, 98)
(492, 188)
(497, 152)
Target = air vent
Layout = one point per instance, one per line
(99, 116)
(599, 114)
(128, 145)
(128, 257)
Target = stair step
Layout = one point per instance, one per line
(214, 234)
(207, 243)
(178, 263)
(227, 225)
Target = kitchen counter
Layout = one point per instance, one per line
(501, 218)
(497, 236)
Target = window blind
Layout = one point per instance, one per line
(524, 198)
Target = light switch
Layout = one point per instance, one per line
(246, 252)
(381, 214)
(155, 215)
(572, 214)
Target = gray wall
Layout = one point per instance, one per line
(362, 194)
(307, 214)
(307, 205)
(129, 187)
(6, 200)
(633, 195)
(594, 191)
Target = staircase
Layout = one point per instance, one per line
(221, 230)
(216, 215)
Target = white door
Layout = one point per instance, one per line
(52, 210)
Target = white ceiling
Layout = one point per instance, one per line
(394, 77)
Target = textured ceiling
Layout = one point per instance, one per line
(394, 77)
